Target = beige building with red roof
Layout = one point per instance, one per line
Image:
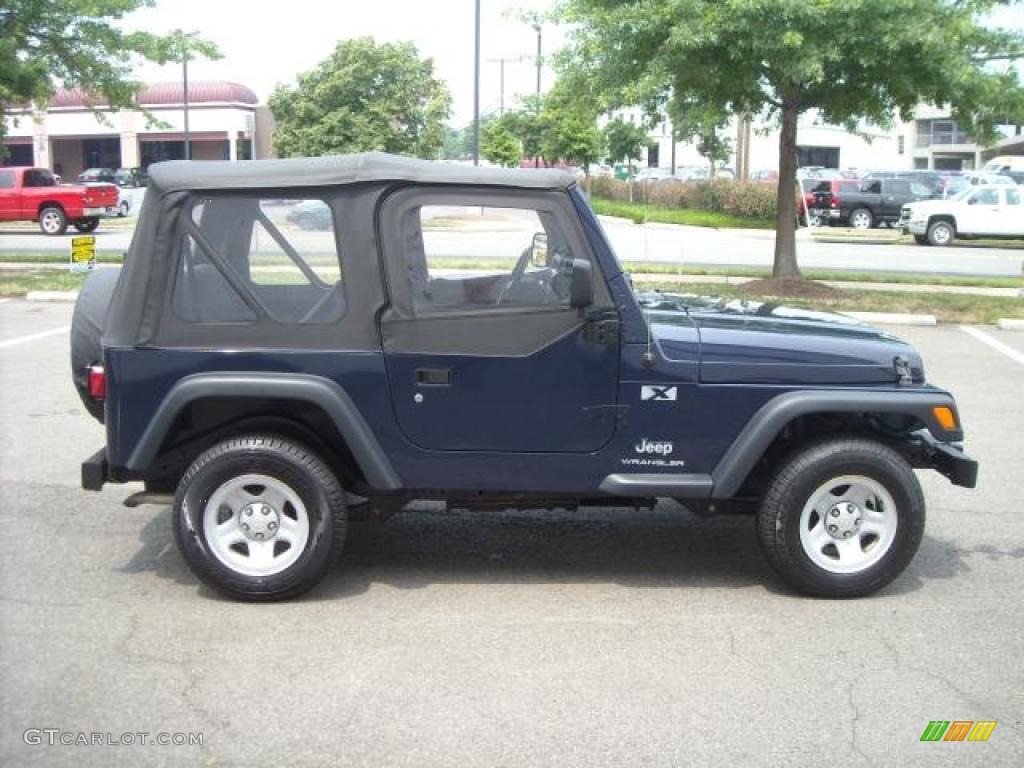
(226, 122)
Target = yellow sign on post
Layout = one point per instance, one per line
(83, 253)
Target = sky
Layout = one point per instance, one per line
(268, 43)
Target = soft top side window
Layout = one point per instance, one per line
(244, 255)
(461, 257)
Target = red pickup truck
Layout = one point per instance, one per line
(33, 194)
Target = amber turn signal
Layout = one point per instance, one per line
(944, 415)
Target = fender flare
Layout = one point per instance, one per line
(316, 390)
(765, 425)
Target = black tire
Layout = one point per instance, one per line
(779, 516)
(87, 225)
(87, 323)
(287, 462)
(921, 240)
(122, 209)
(941, 233)
(53, 220)
(861, 218)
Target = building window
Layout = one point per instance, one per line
(901, 144)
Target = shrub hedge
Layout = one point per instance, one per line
(736, 198)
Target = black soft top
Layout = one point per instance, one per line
(183, 175)
(148, 272)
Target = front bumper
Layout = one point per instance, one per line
(947, 459)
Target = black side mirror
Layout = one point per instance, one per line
(581, 289)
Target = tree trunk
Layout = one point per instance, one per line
(785, 222)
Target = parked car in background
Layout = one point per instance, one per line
(124, 204)
(93, 175)
(312, 215)
(765, 177)
(962, 181)
(877, 201)
(823, 199)
(33, 194)
(995, 211)
(1005, 164)
(130, 177)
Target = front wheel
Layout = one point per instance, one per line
(259, 518)
(87, 225)
(941, 233)
(842, 518)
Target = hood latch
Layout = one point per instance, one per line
(904, 375)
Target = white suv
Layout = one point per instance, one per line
(995, 211)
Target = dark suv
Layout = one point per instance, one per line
(467, 335)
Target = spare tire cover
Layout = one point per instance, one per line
(87, 330)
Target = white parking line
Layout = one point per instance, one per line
(984, 338)
(33, 337)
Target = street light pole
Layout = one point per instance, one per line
(184, 79)
(476, 88)
(537, 29)
(183, 39)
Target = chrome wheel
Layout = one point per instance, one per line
(51, 221)
(860, 219)
(940, 234)
(256, 525)
(848, 524)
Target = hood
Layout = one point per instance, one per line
(931, 206)
(744, 342)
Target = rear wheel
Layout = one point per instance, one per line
(87, 225)
(52, 220)
(861, 218)
(842, 518)
(259, 518)
(941, 233)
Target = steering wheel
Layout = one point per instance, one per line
(517, 274)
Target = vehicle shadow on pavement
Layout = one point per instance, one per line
(649, 549)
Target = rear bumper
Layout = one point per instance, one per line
(95, 470)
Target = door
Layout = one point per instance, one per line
(483, 350)
(983, 212)
(1010, 220)
(10, 206)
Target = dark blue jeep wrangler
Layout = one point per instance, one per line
(293, 341)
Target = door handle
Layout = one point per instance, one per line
(434, 377)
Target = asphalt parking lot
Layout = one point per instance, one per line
(598, 638)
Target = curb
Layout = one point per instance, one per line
(1010, 324)
(57, 296)
(892, 318)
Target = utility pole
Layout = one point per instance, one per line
(476, 89)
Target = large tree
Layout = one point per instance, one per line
(78, 44)
(625, 141)
(499, 146)
(365, 96)
(848, 62)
